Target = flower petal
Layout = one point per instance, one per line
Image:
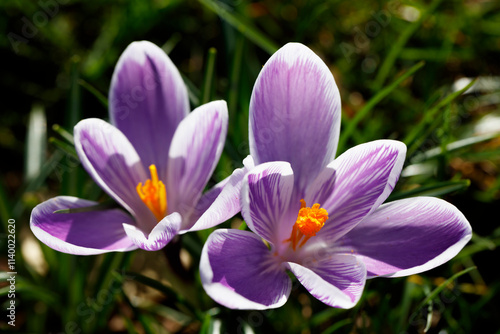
(194, 153)
(408, 236)
(82, 233)
(161, 234)
(222, 202)
(363, 178)
(265, 199)
(147, 100)
(322, 187)
(238, 271)
(295, 112)
(107, 155)
(337, 280)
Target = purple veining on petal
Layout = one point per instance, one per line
(238, 271)
(222, 202)
(295, 113)
(295, 118)
(408, 236)
(265, 198)
(337, 280)
(159, 237)
(82, 233)
(148, 99)
(322, 186)
(114, 165)
(364, 176)
(193, 156)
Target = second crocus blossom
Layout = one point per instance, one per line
(320, 217)
(154, 159)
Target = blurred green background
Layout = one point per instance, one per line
(405, 70)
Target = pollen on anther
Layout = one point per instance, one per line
(153, 194)
(309, 222)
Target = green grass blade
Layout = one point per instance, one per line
(234, 79)
(74, 112)
(419, 133)
(64, 133)
(481, 155)
(441, 287)
(361, 114)
(51, 165)
(94, 91)
(170, 313)
(399, 44)
(64, 147)
(107, 273)
(193, 91)
(404, 307)
(209, 77)
(129, 325)
(147, 322)
(478, 246)
(432, 54)
(243, 226)
(211, 325)
(111, 283)
(435, 190)
(339, 324)
(167, 291)
(241, 24)
(32, 292)
(429, 310)
(171, 43)
(71, 183)
(317, 319)
(453, 147)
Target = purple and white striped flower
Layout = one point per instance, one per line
(154, 159)
(320, 217)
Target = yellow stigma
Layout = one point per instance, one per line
(153, 194)
(309, 222)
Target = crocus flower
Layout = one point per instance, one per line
(315, 215)
(154, 159)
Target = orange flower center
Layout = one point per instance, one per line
(309, 222)
(153, 194)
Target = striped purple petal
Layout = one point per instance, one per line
(207, 199)
(107, 155)
(295, 113)
(161, 234)
(337, 280)
(238, 271)
(147, 100)
(221, 202)
(408, 236)
(265, 199)
(82, 233)
(194, 153)
(362, 177)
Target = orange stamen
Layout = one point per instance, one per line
(153, 194)
(309, 222)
